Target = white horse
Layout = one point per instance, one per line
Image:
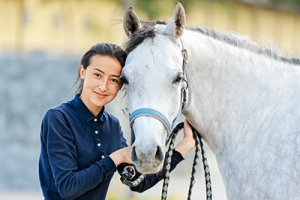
(245, 103)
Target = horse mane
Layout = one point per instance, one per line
(148, 31)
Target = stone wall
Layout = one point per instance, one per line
(29, 85)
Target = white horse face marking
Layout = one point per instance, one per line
(153, 80)
(153, 77)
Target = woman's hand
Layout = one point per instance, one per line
(188, 142)
(121, 156)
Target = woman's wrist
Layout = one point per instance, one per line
(116, 157)
(185, 146)
(121, 156)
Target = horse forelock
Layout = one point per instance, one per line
(149, 31)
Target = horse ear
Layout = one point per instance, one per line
(176, 24)
(131, 22)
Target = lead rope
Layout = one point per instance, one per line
(199, 147)
(129, 171)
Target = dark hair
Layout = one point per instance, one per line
(105, 49)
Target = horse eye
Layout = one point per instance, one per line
(124, 80)
(178, 79)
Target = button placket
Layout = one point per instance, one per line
(97, 133)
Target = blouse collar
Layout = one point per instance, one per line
(84, 112)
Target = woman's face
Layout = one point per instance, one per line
(101, 82)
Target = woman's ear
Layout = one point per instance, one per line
(81, 72)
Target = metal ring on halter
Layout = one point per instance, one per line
(129, 172)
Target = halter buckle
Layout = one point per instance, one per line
(184, 55)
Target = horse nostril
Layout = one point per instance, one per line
(134, 158)
(159, 155)
(155, 157)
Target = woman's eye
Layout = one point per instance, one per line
(97, 75)
(115, 81)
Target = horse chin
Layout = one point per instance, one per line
(149, 169)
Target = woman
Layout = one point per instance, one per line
(81, 144)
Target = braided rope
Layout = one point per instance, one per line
(199, 146)
(168, 161)
(195, 163)
(206, 171)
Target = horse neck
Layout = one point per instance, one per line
(231, 87)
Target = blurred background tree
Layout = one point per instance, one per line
(154, 8)
(292, 6)
(147, 10)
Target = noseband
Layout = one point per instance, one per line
(172, 130)
(159, 116)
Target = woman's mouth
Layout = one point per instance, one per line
(101, 95)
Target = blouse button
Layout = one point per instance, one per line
(95, 119)
(98, 144)
(96, 132)
(102, 156)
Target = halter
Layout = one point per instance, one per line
(159, 116)
(172, 129)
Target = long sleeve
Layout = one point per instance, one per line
(62, 157)
(75, 147)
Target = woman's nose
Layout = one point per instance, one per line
(103, 84)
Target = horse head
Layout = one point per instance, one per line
(154, 78)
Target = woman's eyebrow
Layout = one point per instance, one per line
(117, 76)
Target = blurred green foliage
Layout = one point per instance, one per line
(154, 8)
(285, 5)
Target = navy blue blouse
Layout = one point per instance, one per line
(75, 147)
